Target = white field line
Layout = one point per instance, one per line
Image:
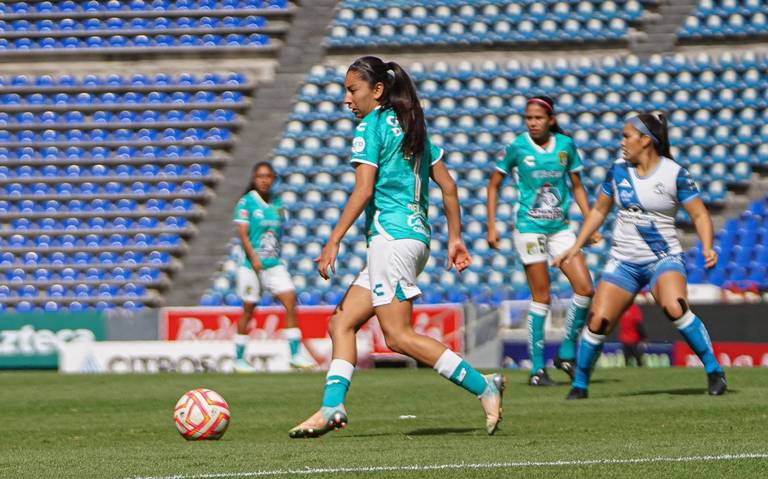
(459, 466)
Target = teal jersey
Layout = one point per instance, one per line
(544, 194)
(265, 225)
(398, 209)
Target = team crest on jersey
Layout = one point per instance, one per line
(659, 188)
(358, 144)
(563, 157)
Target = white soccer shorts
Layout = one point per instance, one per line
(539, 248)
(274, 280)
(392, 268)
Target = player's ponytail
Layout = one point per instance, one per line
(549, 105)
(657, 125)
(400, 95)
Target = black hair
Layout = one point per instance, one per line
(657, 124)
(555, 128)
(253, 172)
(400, 95)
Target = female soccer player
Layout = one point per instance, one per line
(259, 219)
(393, 160)
(647, 186)
(544, 158)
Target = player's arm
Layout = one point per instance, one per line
(592, 222)
(579, 193)
(245, 241)
(703, 224)
(492, 201)
(457, 251)
(365, 178)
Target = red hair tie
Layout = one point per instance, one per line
(541, 102)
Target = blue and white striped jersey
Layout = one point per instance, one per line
(645, 226)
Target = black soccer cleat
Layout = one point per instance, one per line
(568, 366)
(541, 378)
(577, 393)
(717, 383)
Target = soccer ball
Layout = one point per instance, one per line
(201, 414)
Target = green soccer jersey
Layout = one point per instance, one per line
(398, 209)
(544, 195)
(265, 224)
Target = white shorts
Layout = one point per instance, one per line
(392, 268)
(539, 248)
(275, 280)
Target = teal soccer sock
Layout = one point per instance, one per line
(241, 341)
(537, 315)
(574, 322)
(293, 336)
(452, 367)
(337, 382)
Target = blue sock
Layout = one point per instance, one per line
(537, 314)
(337, 382)
(590, 347)
(241, 340)
(451, 366)
(574, 322)
(695, 334)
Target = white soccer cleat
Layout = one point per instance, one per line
(491, 401)
(242, 367)
(300, 361)
(325, 420)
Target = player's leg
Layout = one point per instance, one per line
(249, 291)
(532, 250)
(610, 301)
(277, 280)
(393, 276)
(350, 314)
(581, 283)
(669, 291)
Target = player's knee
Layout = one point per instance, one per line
(541, 296)
(597, 323)
(335, 326)
(588, 291)
(675, 310)
(397, 341)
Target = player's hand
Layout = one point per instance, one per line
(256, 264)
(492, 237)
(710, 258)
(327, 259)
(458, 256)
(565, 257)
(595, 238)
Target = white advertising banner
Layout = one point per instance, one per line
(169, 356)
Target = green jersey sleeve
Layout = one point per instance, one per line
(366, 145)
(242, 212)
(435, 153)
(508, 160)
(574, 160)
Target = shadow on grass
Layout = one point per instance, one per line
(674, 392)
(440, 431)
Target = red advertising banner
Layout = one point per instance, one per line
(444, 322)
(729, 354)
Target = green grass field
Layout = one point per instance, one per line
(120, 427)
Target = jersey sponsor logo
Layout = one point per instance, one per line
(546, 206)
(625, 183)
(625, 196)
(563, 157)
(416, 223)
(378, 289)
(243, 214)
(529, 160)
(361, 127)
(258, 214)
(358, 144)
(546, 174)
